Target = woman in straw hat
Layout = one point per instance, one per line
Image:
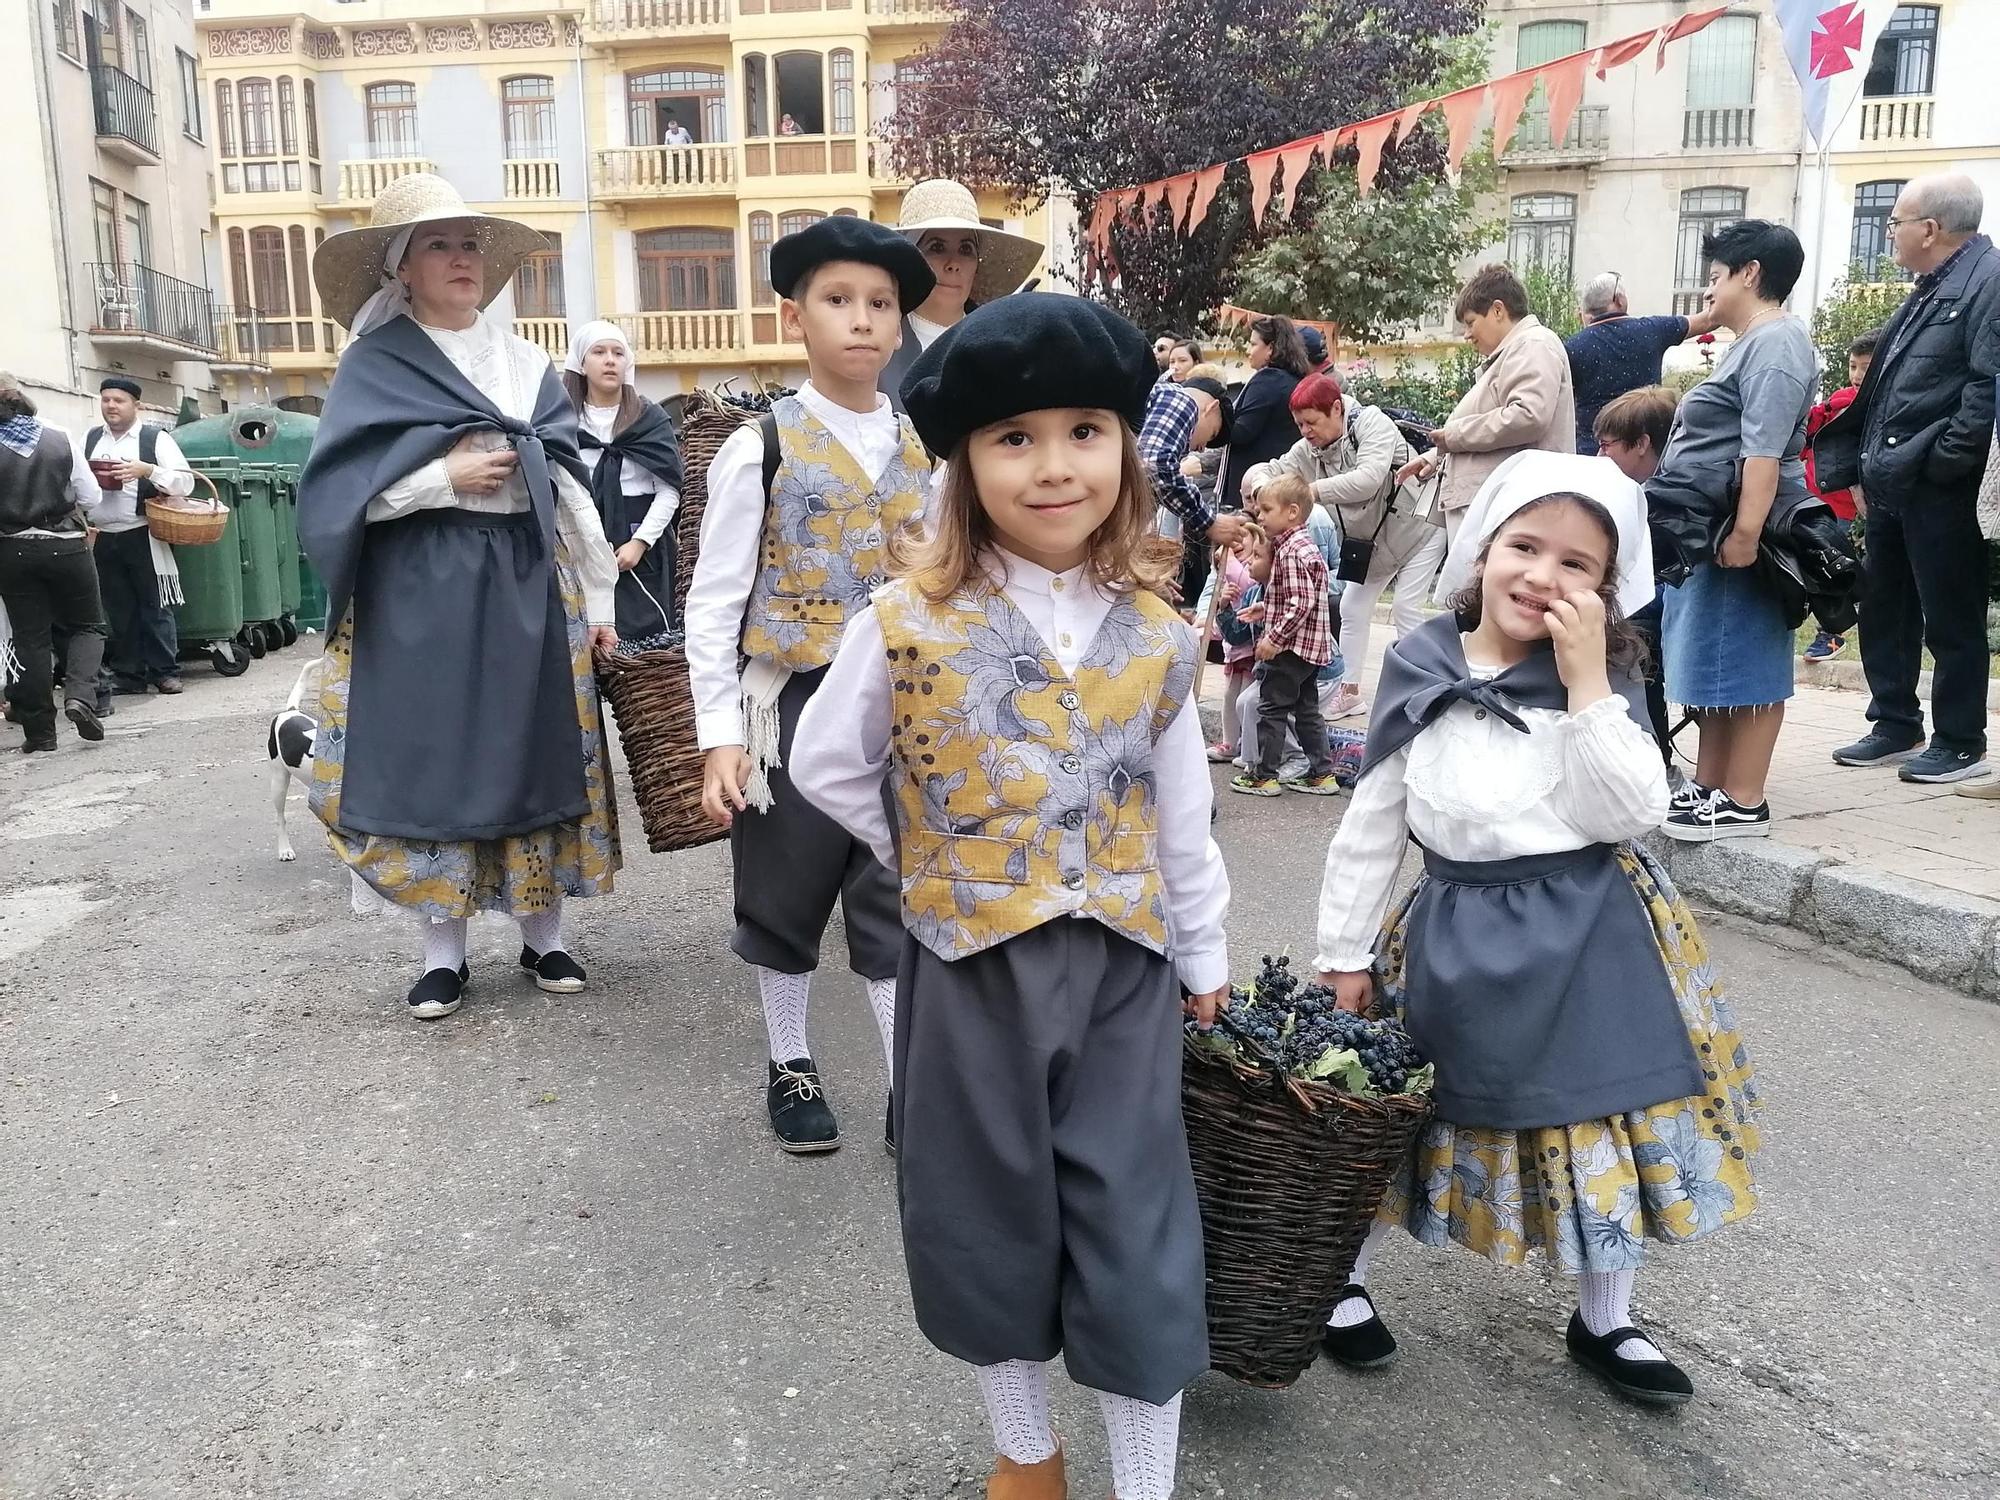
(461, 761)
(635, 459)
(973, 263)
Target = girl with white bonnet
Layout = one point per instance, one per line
(635, 459)
(461, 762)
(1593, 1097)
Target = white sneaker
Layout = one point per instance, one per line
(1346, 703)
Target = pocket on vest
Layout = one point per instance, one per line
(1129, 852)
(806, 611)
(941, 856)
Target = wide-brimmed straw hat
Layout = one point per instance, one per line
(1005, 260)
(348, 267)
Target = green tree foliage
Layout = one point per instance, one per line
(1853, 307)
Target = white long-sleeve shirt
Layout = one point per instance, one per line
(732, 529)
(1472, 787)
(508, 371)
(840, 757)
(602, 423)
(119, 509)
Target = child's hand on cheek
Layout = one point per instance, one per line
(1576, 625)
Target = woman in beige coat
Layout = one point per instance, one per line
(1523, 397)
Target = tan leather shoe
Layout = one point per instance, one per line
(1042, 1481)
(1986, 788)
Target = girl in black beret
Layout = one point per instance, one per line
(1027, 694)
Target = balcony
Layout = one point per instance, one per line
(145, 310)
(893, 13)
(667, 171)
(1718, 129)
(683, 338)
(611, 21)
(361, 182)
(882, 173)
(272, 174)
(1908, 117)
(1587, 140)
(127, 124)
(550, 334)
(801, 156)
(239, 342)
(536, 179)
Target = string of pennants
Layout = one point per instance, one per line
(1188, 195)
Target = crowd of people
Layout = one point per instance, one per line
(942, 665)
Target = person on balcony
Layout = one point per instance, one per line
(461, 763)
(635, 459)
(973, 263)
(136, 574)
(676, 134)
(788, 126)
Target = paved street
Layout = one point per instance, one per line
(261, 1235)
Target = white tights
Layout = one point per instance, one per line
(1144, 1439)
(785, 998)
(444, 937)
(1406, 612)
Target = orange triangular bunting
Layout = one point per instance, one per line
(1263, 166)
(1180, 192)
(1461, 113)
(1206, 182)
(1510, 94)
(1297, 158)
(1407, 120)
(1370, 136)
(1617, 54)
(1564, 81)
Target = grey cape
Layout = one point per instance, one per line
(1535, 984)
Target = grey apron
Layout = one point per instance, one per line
(1536, 986)
(461, 708)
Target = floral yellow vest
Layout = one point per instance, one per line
(826, 531)
(1022, 793)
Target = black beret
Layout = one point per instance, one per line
(123, 383)
(1028, 352)
(1209, 386)
(850, 237)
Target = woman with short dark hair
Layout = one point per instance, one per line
(1260, 426)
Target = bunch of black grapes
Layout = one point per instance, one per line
(1298, 1023)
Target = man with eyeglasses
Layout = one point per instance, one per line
(1913, 446)
(1615, 352)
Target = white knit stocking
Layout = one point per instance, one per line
(1017, 1403)
(882, 1000)
(444, 943)
(1351, 1312)
(1145, 1441)
(784, 997)
(542, 930)
(1605, 1300)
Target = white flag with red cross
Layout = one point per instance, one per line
(1828, 43)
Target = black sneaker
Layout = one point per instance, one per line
(1659, 1382)
(439, 993)
(1363, 1346)
(1877, 749)
(33, 747)
(799, 1112)
(84, 717)
(1718, 816)
(554, 971)
(1939, 764)
(1684, 793)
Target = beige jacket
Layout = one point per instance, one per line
(1523, 398)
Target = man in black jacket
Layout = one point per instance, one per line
(1914, 446)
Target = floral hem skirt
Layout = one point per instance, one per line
(1590, 1195)
(517, 876)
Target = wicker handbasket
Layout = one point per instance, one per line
(654, 707)
(183, 524)
(1289, 1174)
(706, 424)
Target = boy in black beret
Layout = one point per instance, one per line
(801, 508)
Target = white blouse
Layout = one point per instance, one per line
(1472, 787)
(508, 371)
(602, 422)
(840, 756)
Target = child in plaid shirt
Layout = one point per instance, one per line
(1297, 641)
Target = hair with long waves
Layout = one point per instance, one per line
(1288, 350)
(630, 402)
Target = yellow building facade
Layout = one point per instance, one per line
(661, 145)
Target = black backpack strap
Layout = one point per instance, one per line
(768, 425)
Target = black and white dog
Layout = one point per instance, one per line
(290, 746)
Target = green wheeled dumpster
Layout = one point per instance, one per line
(210, 618)
(257, 532)
(285, 511)
(278, 443)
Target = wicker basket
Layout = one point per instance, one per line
(706, 424)
(181, 524)
(1289, 1174)
(654, 708)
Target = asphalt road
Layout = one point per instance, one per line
(261, 1235)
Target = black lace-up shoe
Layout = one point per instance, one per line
(799, 1113)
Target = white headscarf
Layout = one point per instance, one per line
(391, 299)
(1528, 476)
(589, 337)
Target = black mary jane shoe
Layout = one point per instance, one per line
(800, 1115)
(439, 993)
(889, 1126)
(1659, 1382)
(1364, 1346)
(554, 971)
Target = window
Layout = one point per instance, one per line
(1703, 212)
(295, 237)
(312, 121)
(1905, 60)
(190, 94)
(104, 222)
(254, 110)
(1536, 43)
(270, 286)
(686, 269)
(392, 120)
(1541, 231)
(761, 294)
(801, 92)
(139, 48)
(756, 106)
(67, 41)
(1722, 64)
(100, 32)
(797, 219)
(1868, 245)
(288, 121)
(528, 118)
(225, 118)
(692, 98)
(840, 68)
(138, 231)
(538, 285)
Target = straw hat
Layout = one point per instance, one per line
(348, 267)
(1005, 260)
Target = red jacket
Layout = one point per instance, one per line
(1841, 502)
